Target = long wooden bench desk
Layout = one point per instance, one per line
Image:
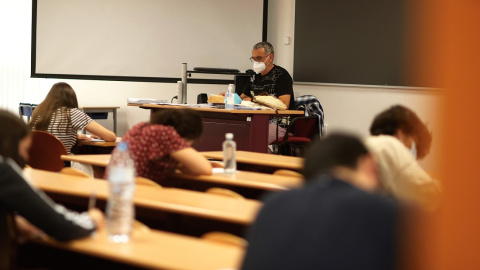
(156, 250)
(260, 182)
(150, 201)
(94, 160)
(260, 161)
(249, 127)
(83, 147)
(252, 185)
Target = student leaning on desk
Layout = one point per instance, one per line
(164, 144)
(59, 115)
(399, 138)
(24, 208)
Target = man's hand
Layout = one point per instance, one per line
(245, 97)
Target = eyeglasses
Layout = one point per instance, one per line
(258, 58)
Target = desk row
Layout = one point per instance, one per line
(249, 184)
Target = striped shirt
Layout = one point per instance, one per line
(64, 130)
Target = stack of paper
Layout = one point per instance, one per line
(146, 101)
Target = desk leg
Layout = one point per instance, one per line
(115, 121)
(98, 171)
(259, 133)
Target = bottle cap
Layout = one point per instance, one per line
(122, 146)
(230, 88)
(229, 136)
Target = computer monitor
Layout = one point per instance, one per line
(242, 83)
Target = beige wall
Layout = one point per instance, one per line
(349, 108)
(346, 107)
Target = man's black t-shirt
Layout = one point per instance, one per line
(277, 82)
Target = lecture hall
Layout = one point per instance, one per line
(255, 134)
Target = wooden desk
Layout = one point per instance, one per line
(249, 127)
(272, 161)
(94, 160)
(157, 250)
(243, 179)
(98, 161)
(253, 180)
(94, 147)
(100, 144)
(179, 201)
(113, 110)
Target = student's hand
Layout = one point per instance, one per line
(217, 164)
(98, 217)
(83, 137)
(247, 99)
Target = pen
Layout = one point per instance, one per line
(92, 200)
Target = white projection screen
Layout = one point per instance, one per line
(142, 40)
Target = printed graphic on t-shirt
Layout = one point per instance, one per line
(266, 85)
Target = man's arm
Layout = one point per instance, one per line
(245, 97)
(285, 99)
(284, 88)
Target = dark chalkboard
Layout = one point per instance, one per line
(350, 42)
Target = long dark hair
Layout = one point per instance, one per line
(187, 122)
(13, 130)
(62, 96)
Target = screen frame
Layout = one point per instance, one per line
(34, 74)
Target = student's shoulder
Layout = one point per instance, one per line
(75, 112)
(3, 163)
(308, 194)
(384, 143)
(9, 168)
(280, 70)
(159, 128)
(145, 129)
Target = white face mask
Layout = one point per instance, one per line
(259, 67)
(413, 149)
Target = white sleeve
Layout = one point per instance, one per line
(400, 174)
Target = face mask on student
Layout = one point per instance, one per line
(259, 67)
(413, 149)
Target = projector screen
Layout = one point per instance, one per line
(142, 40)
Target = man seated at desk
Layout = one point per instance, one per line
(270, 80)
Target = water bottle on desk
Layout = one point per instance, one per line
(229, 148)
(120, 208)
(230, 97)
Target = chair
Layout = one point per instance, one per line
(146, 182)
(288, 173)
(311, 106)
(45, 152)
(225, 238)
(224, 192)
(73, 171)
(139, 226)
(300, 133)
(25, 109)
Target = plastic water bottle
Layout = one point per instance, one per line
(229, 148)
(230, 97)
(120, 208)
